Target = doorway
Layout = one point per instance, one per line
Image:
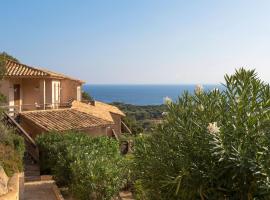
(17, 95)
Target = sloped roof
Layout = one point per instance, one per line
(108, 107)
(63, 119)
(15, 69)
(100, 110)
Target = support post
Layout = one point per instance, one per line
(44, 94)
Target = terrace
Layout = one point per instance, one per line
(29, 88)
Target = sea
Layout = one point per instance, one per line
(140, 94)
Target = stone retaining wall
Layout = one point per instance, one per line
(57, 193)
(13, 188)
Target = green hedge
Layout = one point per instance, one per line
(91, 167)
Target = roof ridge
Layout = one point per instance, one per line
(65, 119)
(31, 67)
(51, 110)
(116, 111)
(45, 72)
(98, 118)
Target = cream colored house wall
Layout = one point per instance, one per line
(32, 129)
(4, 88)
(48, 89)
(32, 91)
(9, 85)
(97, 131)
(107, 130)
(69, 90)
(117, 123)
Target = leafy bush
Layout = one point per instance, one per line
(91, 167)
(11, 150)
(213, 145)
(10, 160)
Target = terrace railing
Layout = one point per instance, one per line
(14, 110)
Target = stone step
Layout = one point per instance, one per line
(38, 178)
(32, 167)
(32, 178)
(126, 195)
(31, 170)
(31, 174)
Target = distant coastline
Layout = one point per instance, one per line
(140, 94)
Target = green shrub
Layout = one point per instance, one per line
(212, 145)
(87, 97)
(90, 167)
(12, 150)
(49, 148)
(10, 160)
(97, 169)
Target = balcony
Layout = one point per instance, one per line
(14, 110)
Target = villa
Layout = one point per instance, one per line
(43, 101)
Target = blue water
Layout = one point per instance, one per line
(139, 94)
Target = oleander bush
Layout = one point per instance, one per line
(91, 167)
(212, 145)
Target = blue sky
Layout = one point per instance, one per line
(139, 41)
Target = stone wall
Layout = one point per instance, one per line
(3, 182)
(13, 189)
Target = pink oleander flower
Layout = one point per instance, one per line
(167, 100)
(164, 113)
(213, 128)
(199, 89)
(201, 107)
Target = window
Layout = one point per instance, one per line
(55, 93)
(79, 93)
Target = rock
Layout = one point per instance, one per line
(3, 182)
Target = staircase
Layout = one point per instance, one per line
(31, 169)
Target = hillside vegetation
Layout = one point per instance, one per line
(142, 119)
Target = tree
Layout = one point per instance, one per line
(86, 96)
(3, 57)
(212, 145)
(8, 56)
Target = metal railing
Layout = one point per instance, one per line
(32, 107)
(125, 128)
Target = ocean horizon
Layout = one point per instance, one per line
(141, 94)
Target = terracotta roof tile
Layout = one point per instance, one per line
(100, 110)
(15, 69)
(108, 107)
(63, 119)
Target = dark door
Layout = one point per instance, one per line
(17, 94)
